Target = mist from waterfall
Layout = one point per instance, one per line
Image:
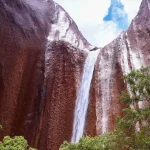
(82, 100)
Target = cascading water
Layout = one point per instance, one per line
(82, 100)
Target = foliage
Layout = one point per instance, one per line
(15, 143)
(133, 130)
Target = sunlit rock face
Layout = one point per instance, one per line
(64, 67)
(130, 50)
(42, 62)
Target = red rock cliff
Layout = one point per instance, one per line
(42, 54)
(130, 50)
(38, 76)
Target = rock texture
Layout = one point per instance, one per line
(39, 74)
(42, 54)
(64, 68)
(130, 50)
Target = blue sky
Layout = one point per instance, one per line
(117, 14)
(101, 21)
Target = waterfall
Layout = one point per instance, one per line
(83, 97)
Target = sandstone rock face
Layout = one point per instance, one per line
(39, 74)
(42, 55)
(64, 68)
(127, 52)
(130, 50)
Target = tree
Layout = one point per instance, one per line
(132, 131)
(15, 143)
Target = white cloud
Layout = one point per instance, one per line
(100, 34)
(131, 7)
(85, 11)
(89, 14)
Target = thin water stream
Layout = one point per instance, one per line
(82, 100)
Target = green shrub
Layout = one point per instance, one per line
(15, 143)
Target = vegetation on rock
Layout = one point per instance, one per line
(133, 130)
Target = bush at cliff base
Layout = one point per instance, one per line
(15, 143)
(133, 130)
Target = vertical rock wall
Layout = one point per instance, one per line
(38, 76)
(42, 54)
(130, 50)
(65, 65)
